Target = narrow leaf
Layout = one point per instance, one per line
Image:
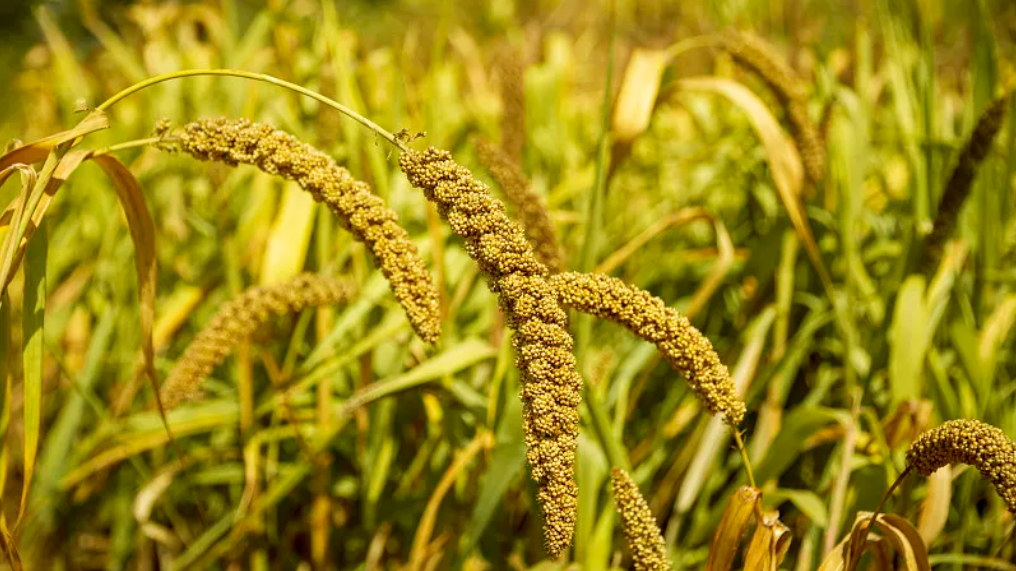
(33, 325)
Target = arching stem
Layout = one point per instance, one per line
(377, 129)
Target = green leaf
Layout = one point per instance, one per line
(33, 324)
(506, 460)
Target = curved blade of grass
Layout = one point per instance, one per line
(506, 461)
(679, 218)
(54, 172)
(33, 325)
(142, 230)
(784, 158)
(425, 528)
(37, 151)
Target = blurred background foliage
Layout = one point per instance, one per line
(289, 477)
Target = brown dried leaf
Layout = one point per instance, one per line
(768, 545)
(732, 527)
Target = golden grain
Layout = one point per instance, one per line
(645, 315)
(791, 91)
(972, 442)
(364, 214)
(532, 211)
(238, 319)
(648, 550)
(961, 181)
(551, 387)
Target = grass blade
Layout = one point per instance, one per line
(33, 324)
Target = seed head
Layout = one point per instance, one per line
(645, 315)
(791, 91)
(532, 212)
(238, 319)
(359, 210)
(551, 387)
(513, 100)
(648, 550)
(972, 442)
(962, 178)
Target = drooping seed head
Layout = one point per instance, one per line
(513, 100)
(531, 209)
(972, 442)
(645, 315)
(551, 387)
(961, 181)
(790, 89)
(648, 549)
(238, 319)
(359, 210)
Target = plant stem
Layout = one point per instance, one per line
(377, 129)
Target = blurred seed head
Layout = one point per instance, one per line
(759, 57)
(240, 318)
(532, 211)
(645, 315)
(551, 387)
(364, 214)
(961, 181)
(972, 442)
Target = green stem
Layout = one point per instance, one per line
(377, 129)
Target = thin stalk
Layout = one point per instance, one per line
(377, 129)
(856, 549)
(744, 456)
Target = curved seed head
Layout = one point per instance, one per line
(551, 387)
(972, 442)
(645, 315)
(238, 319)
(364, 214)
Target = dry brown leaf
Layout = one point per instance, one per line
(768, 545)
(732, 527)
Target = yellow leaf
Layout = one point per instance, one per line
(637, 97)
(286, 250)
(732, 526)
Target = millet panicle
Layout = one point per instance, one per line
(551, 386)
(648, 549)
(241, 317)
(972, 442)
(364, 214)
(645, 315)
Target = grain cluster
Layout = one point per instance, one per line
(532, 212)
(682, 345)
(961, 181)
(648, 549)
(551, 386)
(364, 214)
(971, 442)
(759, 57)
(238, 319)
